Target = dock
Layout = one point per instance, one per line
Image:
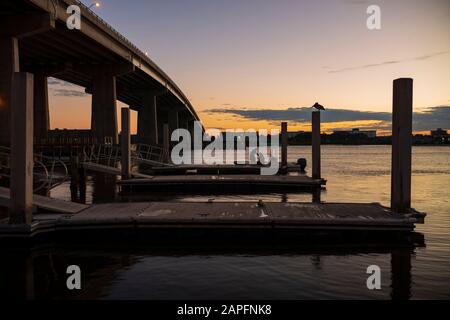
(47, 204)
(186, 219)
(111, 170)
(214, 169)
(255, 182)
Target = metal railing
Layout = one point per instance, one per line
(148, 152)
(104, 154)
(48, 172)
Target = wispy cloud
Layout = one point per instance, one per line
(61, 88)
(68, 93)
(388, 62)
(58, 82)
(430, 118)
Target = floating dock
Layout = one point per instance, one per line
(214, 169)
(235, 182)
(228, 219)
(45, 204)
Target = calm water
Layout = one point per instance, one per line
(354, 174)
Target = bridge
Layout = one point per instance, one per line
(34, 38)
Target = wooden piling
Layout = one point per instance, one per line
(401, 145)
(21, 204)
(125, 143)
(166, 142)
(284, 147)
(316, 161)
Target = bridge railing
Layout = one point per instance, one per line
(142, 56)
(117, 33)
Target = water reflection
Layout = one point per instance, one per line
(401, 273)
(40, 273)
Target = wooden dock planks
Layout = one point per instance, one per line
(236, 214)
(229, 219)
(46, 203)
(110, 170)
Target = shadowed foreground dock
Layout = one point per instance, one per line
(225, 217)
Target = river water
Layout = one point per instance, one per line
(354, 174)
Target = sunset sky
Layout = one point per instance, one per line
(254, 63)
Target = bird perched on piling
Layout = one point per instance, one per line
(318, 106)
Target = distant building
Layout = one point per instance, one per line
(367, 133)
(440, 136)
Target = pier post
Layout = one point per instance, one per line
(316, 161)
(284, 147)
(401, 145)
(125, 144)
(21, 185)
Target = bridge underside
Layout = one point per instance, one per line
(32, 40)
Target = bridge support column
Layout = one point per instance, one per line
(173, 123)
(21, 185)
(166, 142)
(104, 108)
(148, 121)
(12, 28)
(9, 64)
(41, 111)
(104, 97)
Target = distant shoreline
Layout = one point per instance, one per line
(368, 144)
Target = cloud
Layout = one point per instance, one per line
(57, 82)
(68, 93)
(301, 115)
(389, 62)
(62, 88)
(430, 118)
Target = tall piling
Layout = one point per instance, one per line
(316, 156)
(21, 185)
(284, 147)
(401, 145)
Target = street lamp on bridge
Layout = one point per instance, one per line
(96, 4)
